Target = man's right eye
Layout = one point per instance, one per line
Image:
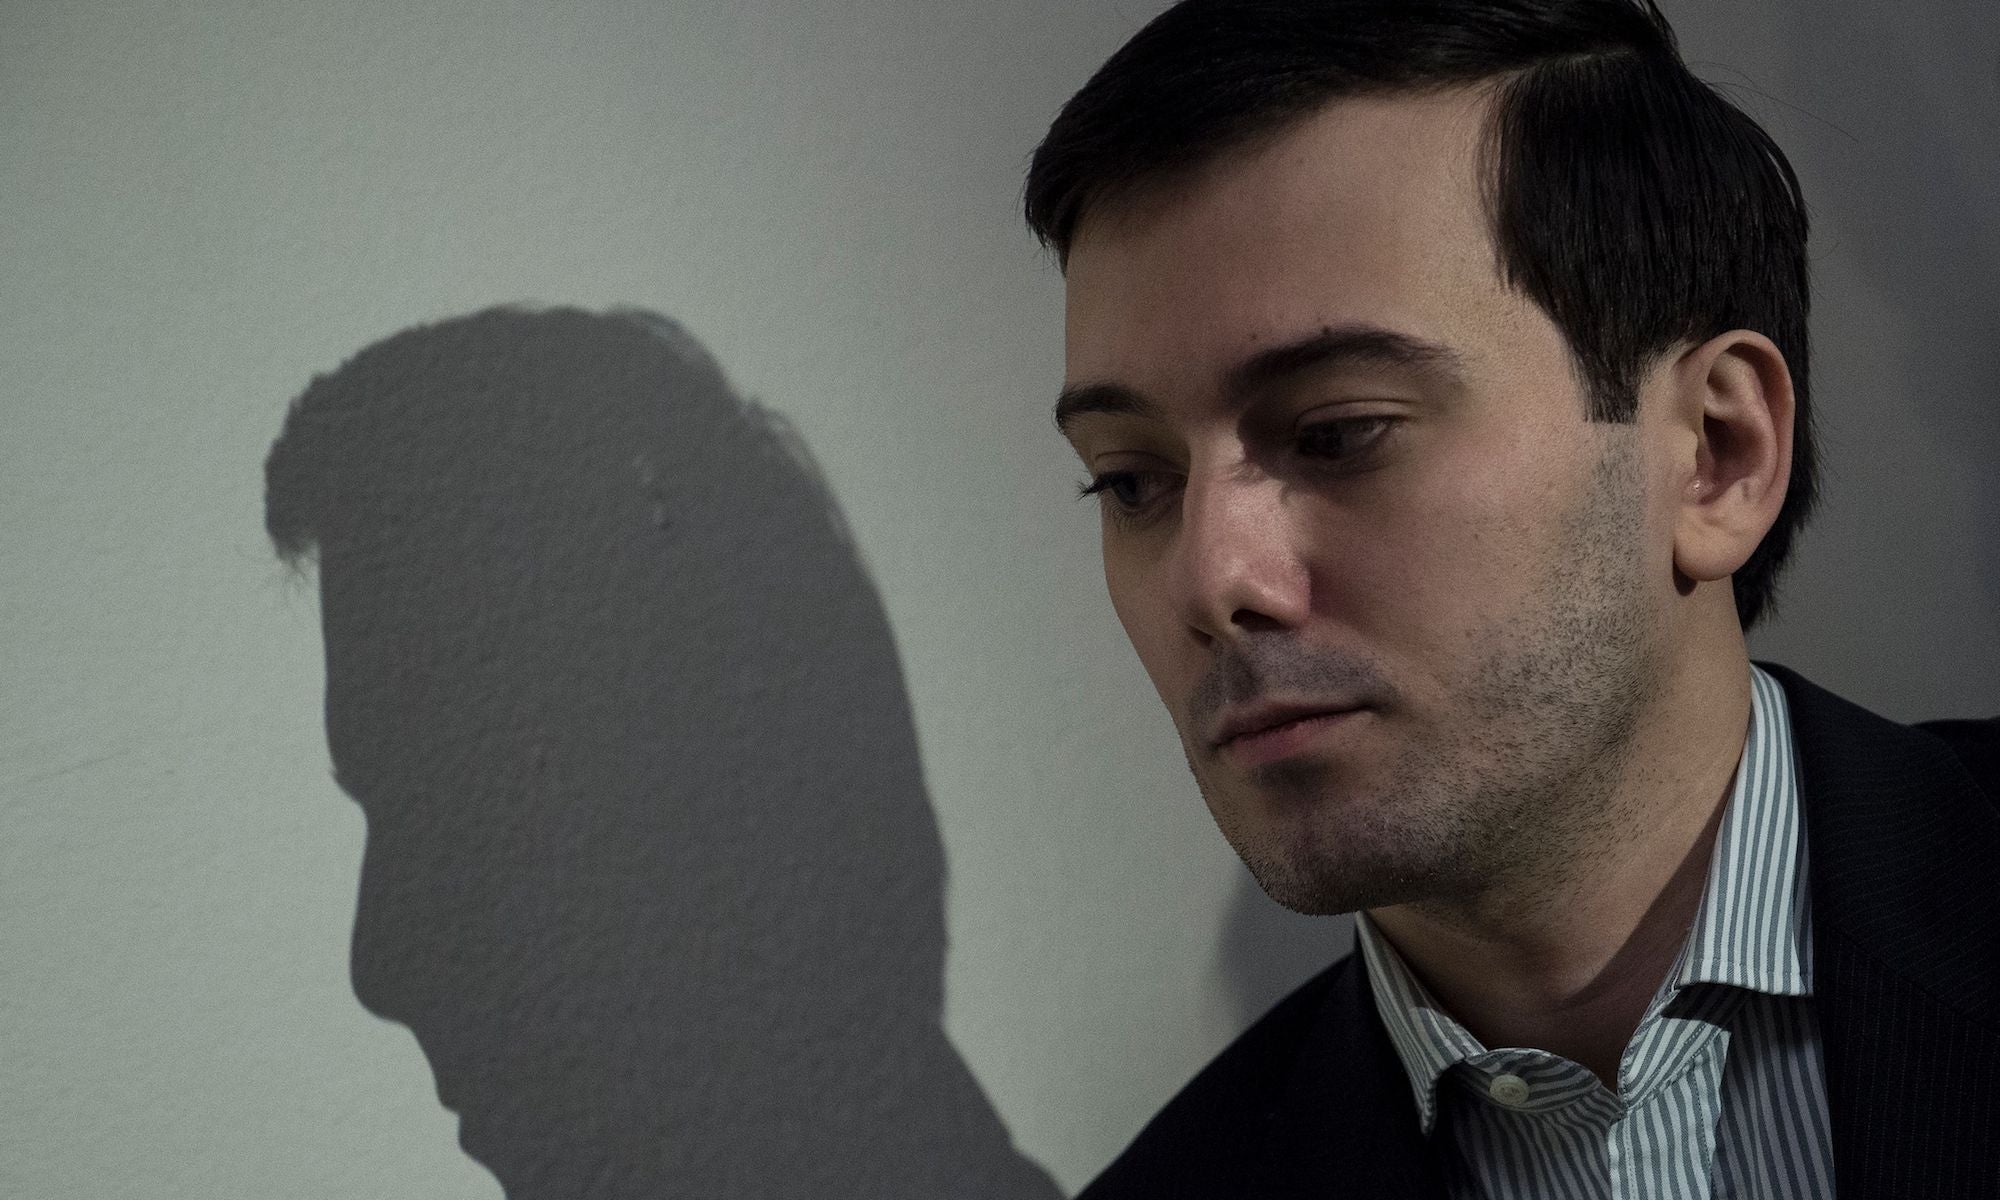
(1128, 492)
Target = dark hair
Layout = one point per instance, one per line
(1636, 206)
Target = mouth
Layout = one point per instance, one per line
(1288, 738)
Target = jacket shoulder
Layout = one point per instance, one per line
(1977, 744)
(1846, 731)
(1213, 1134)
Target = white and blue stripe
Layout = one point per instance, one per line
(1721, 1093)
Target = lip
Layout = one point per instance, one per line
(1256, 718)
(1266, 737)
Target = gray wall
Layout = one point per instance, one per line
(209, 207)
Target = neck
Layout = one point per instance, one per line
(1570, 963)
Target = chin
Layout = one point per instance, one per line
(1319, 873)
(1318, 895)
(1305, 883)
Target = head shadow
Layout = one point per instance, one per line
(651, 872)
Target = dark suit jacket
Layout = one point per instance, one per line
(1902, 829)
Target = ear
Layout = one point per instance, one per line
(1734, 393)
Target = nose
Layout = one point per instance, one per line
(414, 924)
(378, 958)
(1238, 565)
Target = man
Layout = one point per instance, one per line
(1440, 367)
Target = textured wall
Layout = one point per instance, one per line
(826, 804)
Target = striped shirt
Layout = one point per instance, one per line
(1721, 1092)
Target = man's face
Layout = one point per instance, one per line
(1346, 469)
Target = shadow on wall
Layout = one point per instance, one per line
(651, 872)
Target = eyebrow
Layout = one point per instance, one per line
(1331, 347)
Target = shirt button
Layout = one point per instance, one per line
(1510, 1090)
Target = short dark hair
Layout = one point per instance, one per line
(1635, 205)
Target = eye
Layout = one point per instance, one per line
(1346, 439)
(1131, 496)
(1129, 493)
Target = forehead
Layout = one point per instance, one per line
(1367, 212)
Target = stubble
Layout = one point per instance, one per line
(1506, 787)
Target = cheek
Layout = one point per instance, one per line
(1443, 556)
(1146, 614)
(1135, 603)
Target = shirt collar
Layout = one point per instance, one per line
(1752, 929)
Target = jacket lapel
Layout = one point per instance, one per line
(1901, 846)
(1349, 1127)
